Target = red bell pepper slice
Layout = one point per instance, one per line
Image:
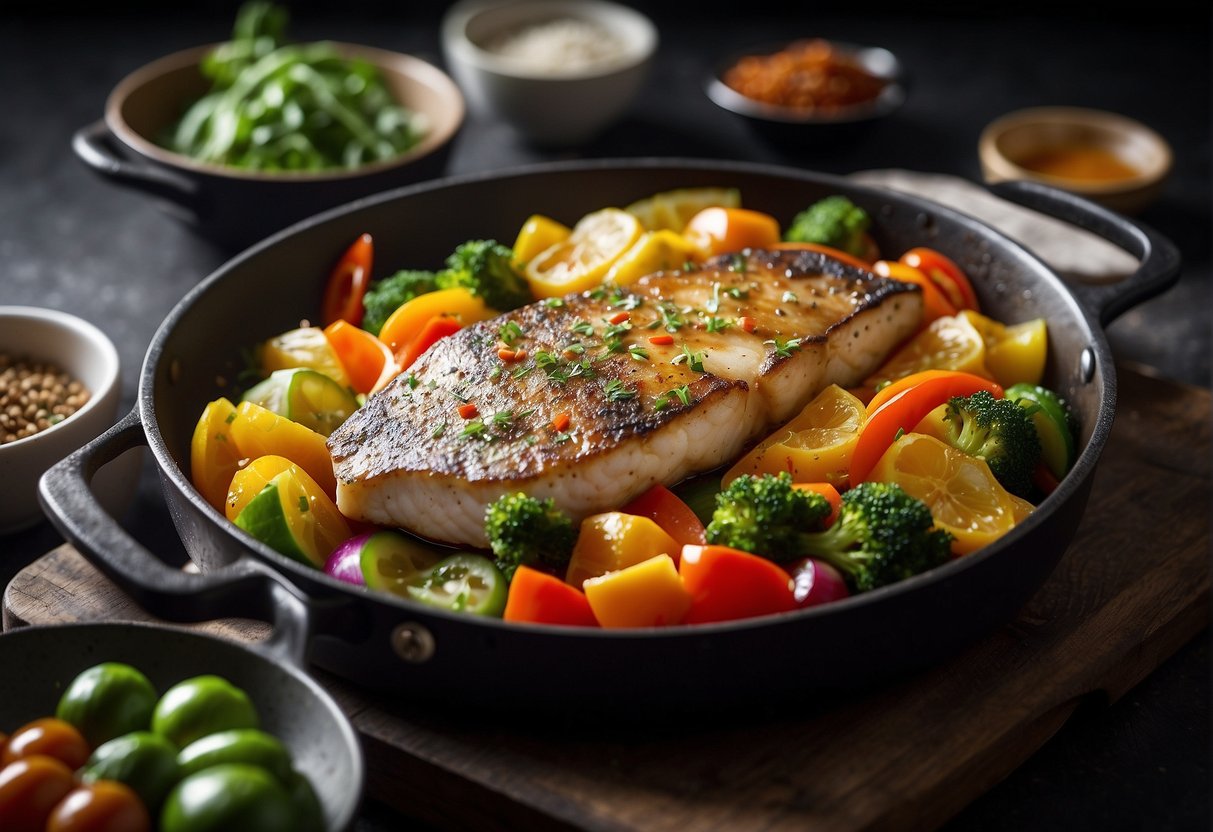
(435, 329)
(945, 274)
(911, 399)
(538, 598)
(726, 584)
(348, 283)
(675, 517)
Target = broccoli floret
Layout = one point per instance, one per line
(486, 268)
(882, 534)
(386, 296)
(998, 431)
(766, 516)
(834, 221)
(524, 531)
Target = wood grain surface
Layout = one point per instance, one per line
(1133, 587)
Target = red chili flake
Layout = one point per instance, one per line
(746, 323)
(620, 317)
(661, 340)
(561, 422)
(468, 411)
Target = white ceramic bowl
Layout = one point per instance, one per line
(1013, 138)
(84, 353)
(549, 108)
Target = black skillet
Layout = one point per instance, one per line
(41, 661)
(397, 645)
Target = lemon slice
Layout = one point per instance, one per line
(673, 209)
(538, 233)
(655, 251)
(963, 495)
(1014, 353)
(582, 261)
(306, 347)
(949, 343)
(816, 446)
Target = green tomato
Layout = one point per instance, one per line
(311, 813)
(243, 745)
(107, 701)
(200, 706)
(462, 583)
(232, 797)
(144, 761)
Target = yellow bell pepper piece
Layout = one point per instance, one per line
(259, 432)
(613, 541)
(214, 458)
(648, 594)
(405, 324)
(1014, 353)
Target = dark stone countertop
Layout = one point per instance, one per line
(71, 242)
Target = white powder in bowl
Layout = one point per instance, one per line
(561, 46)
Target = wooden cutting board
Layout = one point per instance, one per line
(1133, 587)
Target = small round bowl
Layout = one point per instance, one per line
(1010, 141)
(236, 207)
(84, 353)
(795, 127)
(550, 109)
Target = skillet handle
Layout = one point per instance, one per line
(245, 589)
(1160, 260)
(94, 146)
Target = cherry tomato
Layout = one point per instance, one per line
(349, 282)
(727, 584)
(29, 789)
(49, 736)
(104, 806)
(948, 276)
(723, 230)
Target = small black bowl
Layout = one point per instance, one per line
(791, 127)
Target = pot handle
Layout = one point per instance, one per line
(94, 146)
(245, 589)
(1160, 260)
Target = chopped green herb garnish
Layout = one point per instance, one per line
(615, 330)
(531, 439)
(473, 429)
(692, 359)
(737, 263)
(690, 266)
(554, 303)
(495, 373)
(575, 348)
(438, 431)
(612, 345)
(671, 318)
(231, 417)
(784, 349)
(627, 302)
(737, 292)
(561, 438)
(503, 419)
(683, 393)
(303, 506)
(638, 352)
(617, 392)
(718, 324)
(509, 332)
(412, 381)
(523, 372)
(880, 385)
(900, 433)
(582, 327)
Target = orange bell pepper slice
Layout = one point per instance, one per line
(539, 598)
(367, 360)
(675, 517)
(348, 283)
(722, 230)
(935, 303)
(435, 329)
(916, 396)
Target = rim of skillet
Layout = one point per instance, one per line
(1083, 466)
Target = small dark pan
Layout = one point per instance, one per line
(292, 706)
(394, 644)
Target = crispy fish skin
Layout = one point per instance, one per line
(638, 413)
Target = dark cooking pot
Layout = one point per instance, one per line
(292, 707)
(394, 644)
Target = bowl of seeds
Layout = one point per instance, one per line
(58, 390)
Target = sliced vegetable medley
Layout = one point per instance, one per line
(941, 451)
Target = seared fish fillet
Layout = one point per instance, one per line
(755, 338)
